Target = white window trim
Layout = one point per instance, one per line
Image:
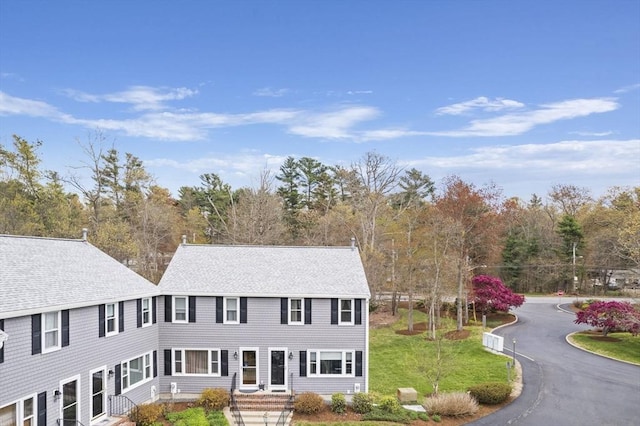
(78, 380)
(116, 319)
(144, 369)
(183, 362)
(343, 367)
(105, 391)
(353, 307)
(186, 310)
(301, 322)
(19, 403)
(149, 311)
(43, 333)
(237, 321)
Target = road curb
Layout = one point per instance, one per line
(575, 345)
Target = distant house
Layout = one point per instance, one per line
(78, 327)
(276, 318)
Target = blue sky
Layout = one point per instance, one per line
(524, 94)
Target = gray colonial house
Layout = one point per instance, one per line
(78, 327)
(82, 336)
(267, 318)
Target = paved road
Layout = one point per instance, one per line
(564, 386)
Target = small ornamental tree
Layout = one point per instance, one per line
(490, 294)
(611, 316)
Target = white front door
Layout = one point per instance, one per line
(70, 401)
(278, 368)
(249, 368)
(98, 401)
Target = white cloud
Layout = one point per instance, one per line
(629, 88)
(519, 123)
(11, 105)
(482, 103)
(385, 134)
(271, 93)
(359, 92)
(333, 125)
(141, 97)
(595, 134)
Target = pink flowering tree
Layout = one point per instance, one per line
(490, 294)
(611, 316)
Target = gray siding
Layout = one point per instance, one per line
(23, 374)
(262, 331)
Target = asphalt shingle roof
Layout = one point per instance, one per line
(39, 274)
(271, 271)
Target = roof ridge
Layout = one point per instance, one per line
(31, 237)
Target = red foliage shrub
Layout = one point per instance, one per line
(492, 295)
(610, 316)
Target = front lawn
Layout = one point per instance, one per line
(622, 346)
(398, 361)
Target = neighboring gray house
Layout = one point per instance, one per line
(278, 318)
(78, 327)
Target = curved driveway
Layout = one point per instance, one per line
(563, 385)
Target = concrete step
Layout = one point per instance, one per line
(257, 418)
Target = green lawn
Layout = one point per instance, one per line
(398, 361)
(624, 346)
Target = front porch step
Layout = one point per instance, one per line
(257, 418)
(262, 401)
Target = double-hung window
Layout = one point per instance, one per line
(180, 308)
(346, 311)
(196, 362)
(22, 412)
(51, 331)
(136, 371)
(331, 363)
(111, 319)
(231, 310)
(296, 311)
(146, 311)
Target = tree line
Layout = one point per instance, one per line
(415, 237)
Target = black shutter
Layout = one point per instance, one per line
(219, 310)
(101, 321)
(358, 319)
(154, 305)
(167, 309)
(192, 309)
(334, 311)
(118, 370)
(358, 363)
(121, 317)
(138, 313)
(167, 362)
(36, 334)
(307, 311)
(2, 348)
(243, 310)
(42, 409)
(303, 363)
(284, 308)
(155, 363)
(224, 363)
(65, 327)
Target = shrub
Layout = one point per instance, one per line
(490, 393)
(146, 414)
(362, 402)
(214, 399)
(423, 416)
(308, 403)
(338, 403)
(455, 404)
(389, 404)
(217, 418)
(380, 415)
(436, 418)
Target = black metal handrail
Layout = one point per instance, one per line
(62, 422)
(235, 412)
(120, 405)
(288, 406)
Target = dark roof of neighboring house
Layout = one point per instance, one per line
(46, 274)
(270, 271)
